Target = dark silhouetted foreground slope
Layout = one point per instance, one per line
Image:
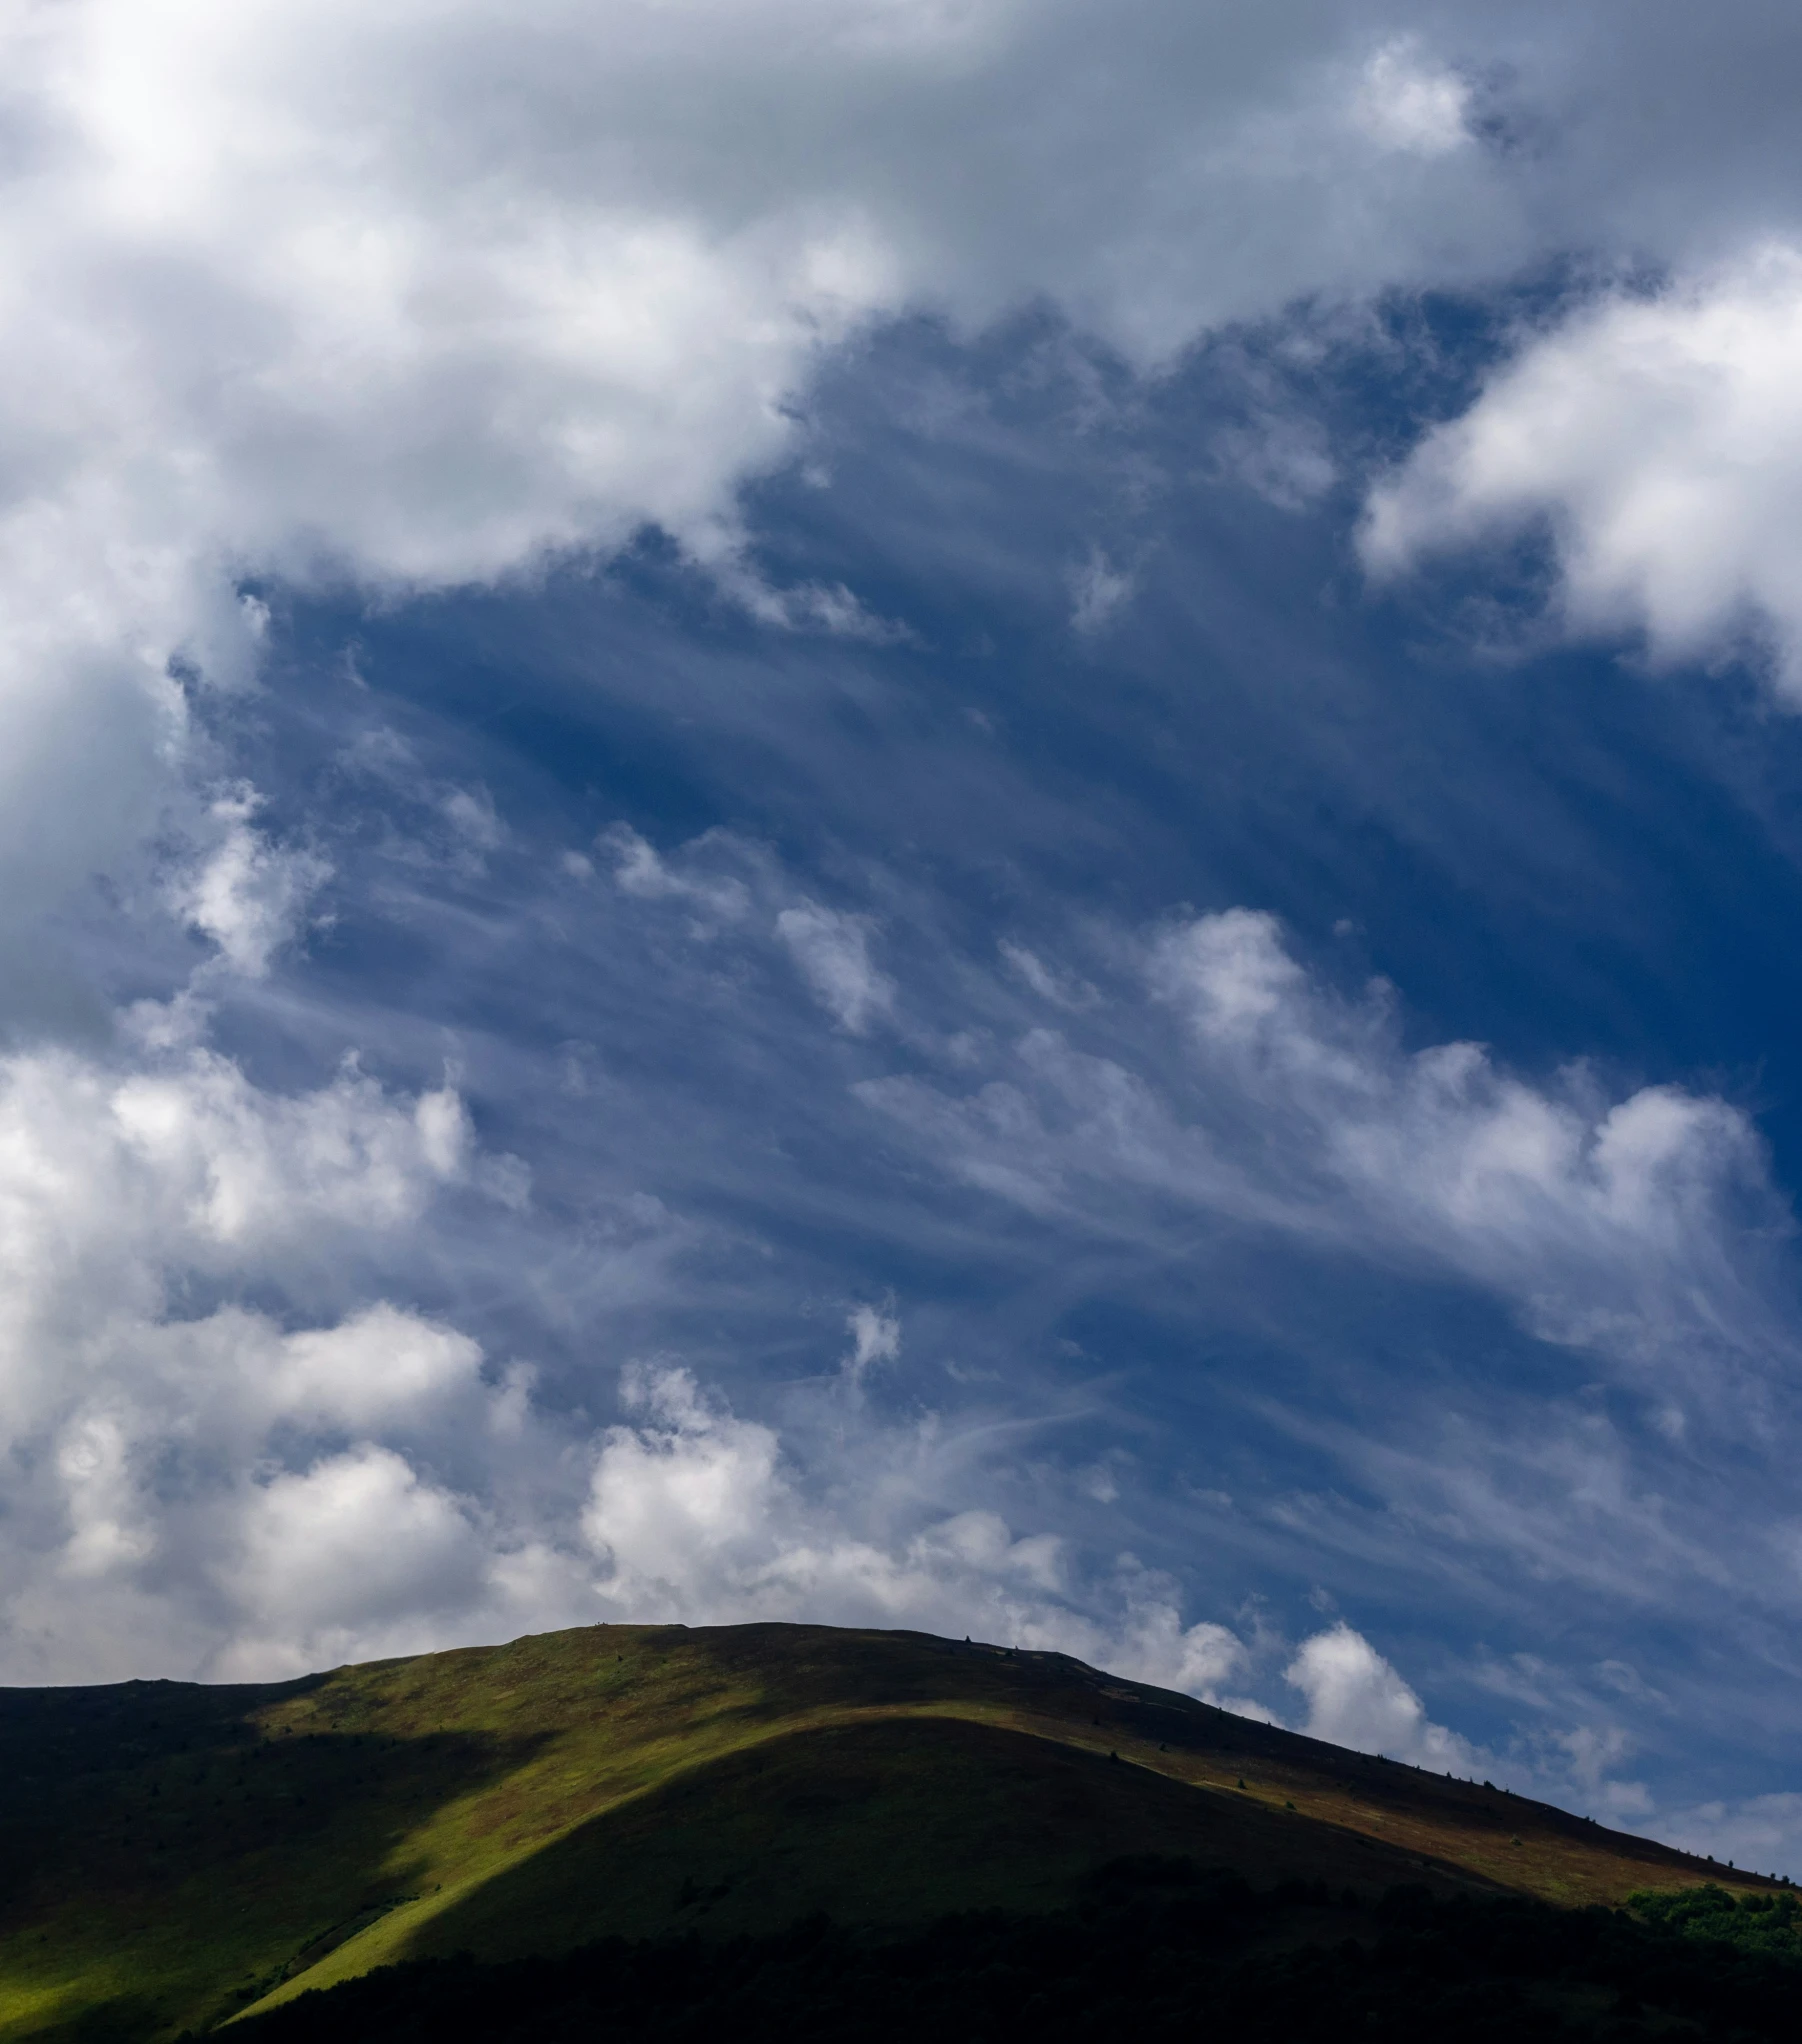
(1155, 1950)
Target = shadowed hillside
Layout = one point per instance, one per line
(1154, 1950)
(180, 1853)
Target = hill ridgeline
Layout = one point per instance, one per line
(181, 1854)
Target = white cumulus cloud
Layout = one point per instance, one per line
(1657, 437)
(249, 895)
(198, 1484)
(698, 1513)
(330, 1554)
(1355, 1698)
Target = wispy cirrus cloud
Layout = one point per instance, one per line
(1632, 1225)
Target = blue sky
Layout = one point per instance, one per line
(948, 816)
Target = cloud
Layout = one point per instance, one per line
(1657, 437)
(1099, 590)
(279, 322)
(1548, 1194)
(639, 870)
(1409, 102)
(332, 1553)
(204, 1483)
(249, 896)
(697, 1512)
(1356, 1699)
(379, 1364)
(188, 1160)
(1061, 992)
(875, 1338)
(680, 1499)
(1762, 1833)
(218, 1471)
(1633, 1227)
(1591, 1753)
(831, 950)
(471, 814)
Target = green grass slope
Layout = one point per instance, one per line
(176, 1854)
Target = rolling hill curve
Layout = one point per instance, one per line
(182, 1853)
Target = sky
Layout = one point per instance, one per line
(973, 814)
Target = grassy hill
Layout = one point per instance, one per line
(179, 1853)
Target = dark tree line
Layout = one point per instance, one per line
(1160, 1950)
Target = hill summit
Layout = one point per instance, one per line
(184, 1853)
